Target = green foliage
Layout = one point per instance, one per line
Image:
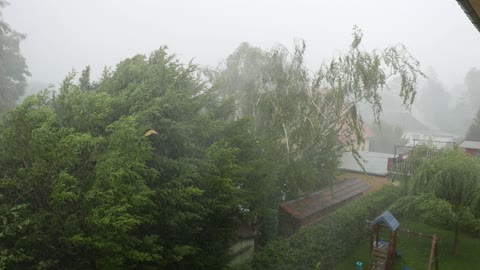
(455, 177)
(13, 69)
(84, 187)
(326, 243)
(473, 133)
(415, 250)
(302, 114)
(425, 208)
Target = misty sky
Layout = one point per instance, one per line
(66, 34)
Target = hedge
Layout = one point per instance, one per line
(323, 244)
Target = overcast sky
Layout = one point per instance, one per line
(66, 34)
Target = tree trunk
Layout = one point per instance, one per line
(455, 241)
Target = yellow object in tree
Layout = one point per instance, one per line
(150, 132)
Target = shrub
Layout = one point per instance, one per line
(425, 208)
(428, 209)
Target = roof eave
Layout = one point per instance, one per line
(471, 14)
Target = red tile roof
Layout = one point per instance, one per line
(322, 200)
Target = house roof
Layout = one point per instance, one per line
(472, 9)
(405, 121)
(373, 162)
(389, 220)
(470, 144)
(325, 198)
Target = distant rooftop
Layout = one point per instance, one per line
(375, 163)
(470, 144)
(405, 121)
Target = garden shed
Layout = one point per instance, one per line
(305, 211)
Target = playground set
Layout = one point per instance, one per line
(383, 254)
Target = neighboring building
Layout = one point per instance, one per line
(471, 147)
(375, 164)
(311, 209)
(416, 132)
(413, 129)
(472, 9)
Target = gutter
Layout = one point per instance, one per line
(471, 14)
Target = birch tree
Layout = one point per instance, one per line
(312, 116)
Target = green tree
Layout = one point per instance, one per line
(455, 177)
(77, 172)
(436, 110)
(386, 138)
(303, 114)
(298, 116)
(473, 133)
(13, 69)
(472, 82)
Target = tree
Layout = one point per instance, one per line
(298, 117)
(303, 113)
(386, 138)
(436, 110)
(472, 82)
(13, 69)
(455, 177)
(466, 111)
(473, 133)
(77, 172)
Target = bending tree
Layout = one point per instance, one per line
(454, 177)
(298, 117)
(305, 113)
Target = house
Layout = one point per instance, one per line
(300, 213)
(375, 164)
(375, 170)
(413, 129)
(417, 133)
(471, 147)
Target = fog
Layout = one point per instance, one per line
(66, 35)
(257, 157)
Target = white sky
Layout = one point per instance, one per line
(66, 34)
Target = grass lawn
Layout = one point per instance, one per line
(415, 251)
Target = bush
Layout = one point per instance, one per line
(428, 209)
(425, 208)
(321, 245)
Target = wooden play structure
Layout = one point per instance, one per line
(382, 253)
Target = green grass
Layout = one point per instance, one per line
(415, 251)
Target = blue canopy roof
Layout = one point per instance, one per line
(388, 219)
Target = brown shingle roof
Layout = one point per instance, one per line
(324, 199)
